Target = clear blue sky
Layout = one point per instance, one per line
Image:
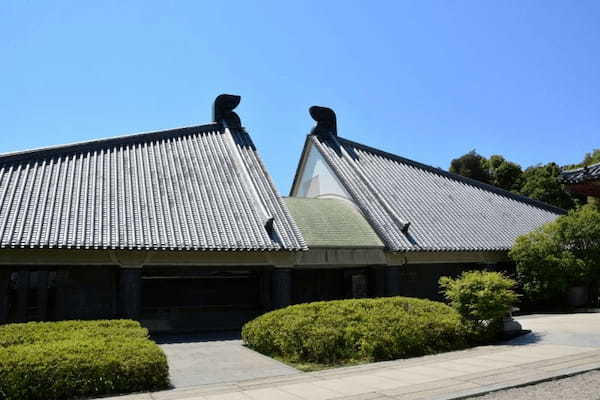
(428, 80)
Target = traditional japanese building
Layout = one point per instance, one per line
(432, 223)
(180, 228)
(183, 229)
(584, 181)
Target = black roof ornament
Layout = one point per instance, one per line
(326, 120)
(223, 110)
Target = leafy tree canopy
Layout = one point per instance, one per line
(540, 182)
(591, 158)
(471, 165)
(560, 254)
(503, 173)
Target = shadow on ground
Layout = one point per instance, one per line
(198, 337)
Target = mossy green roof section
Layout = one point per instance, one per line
(331, 223)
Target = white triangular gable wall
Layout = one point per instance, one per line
(318, 180)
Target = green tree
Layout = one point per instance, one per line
(480, 296)
(558, 255)
(591, 158)
(540, 182)
(503, 173)
(471, 165)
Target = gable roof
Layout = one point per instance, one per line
(580, 175)
(416, 207)
(331, 223)
(194, 188)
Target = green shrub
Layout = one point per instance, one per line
(481, 297)
(43, 332)
(558, 255)
(352, 330)
(72, 359)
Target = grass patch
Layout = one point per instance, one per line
(313, 367)
(348, 332)
(72, 359)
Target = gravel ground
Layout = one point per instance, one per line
(579, 387)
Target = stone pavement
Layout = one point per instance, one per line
(209, 358)
(453, 375)
(460, 373)
(577, 329)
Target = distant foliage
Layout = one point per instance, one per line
(538, 182)
(591, 158)
(363, 329)
(541, 183)
(504, 174)
(481, 297)
(471, 165)
(558, 255)
(75, 359)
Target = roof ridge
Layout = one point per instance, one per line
(581, 168)
(63, 149)
(451, 175)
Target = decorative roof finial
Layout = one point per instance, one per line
(326, 120)
(223, 110)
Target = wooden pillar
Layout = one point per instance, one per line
(378, 281)
(130, 292)
(60, 299)
(43, 295)
(265, 290)
(392, 281)
(281, 287)
(22, 291)
(4, 286)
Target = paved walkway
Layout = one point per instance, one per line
(444, 376)
(582, 329)
(203, 359)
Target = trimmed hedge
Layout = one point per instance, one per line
(45, 332)
(63, 360)
(342, 331)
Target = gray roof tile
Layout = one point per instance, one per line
(579, 175)
(443, 211)
(195, 188)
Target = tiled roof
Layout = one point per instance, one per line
(331, 223)
(415, 207)
(579, 175)
(194, 188)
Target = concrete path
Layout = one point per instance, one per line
(580, 329)
(203, 359)
(451, 375)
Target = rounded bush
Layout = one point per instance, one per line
(360, 329)
(480, 296)
(74, 359)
